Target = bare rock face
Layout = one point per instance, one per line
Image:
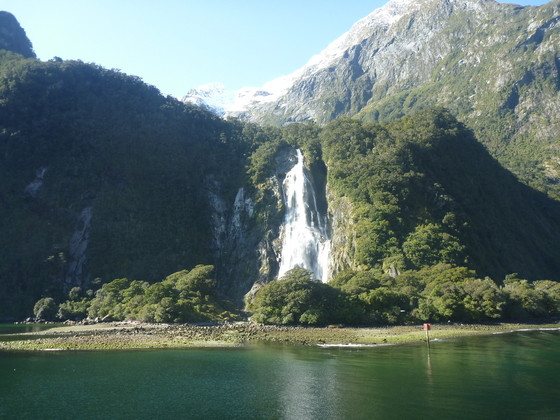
(247, 232)
(76, 273)
(408, 44)
(493, 65)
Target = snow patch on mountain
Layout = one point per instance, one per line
(235, 103)
(213, 96)
(380, 18)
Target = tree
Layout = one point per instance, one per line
(430, 244)
(524, 300)
(199, 281)
(484, 299)
(45, 308)
(298, 299)
(385, 306)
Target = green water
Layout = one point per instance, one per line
(506, 376)
(13, 331)
(24, 328)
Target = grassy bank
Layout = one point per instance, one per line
(122, 335)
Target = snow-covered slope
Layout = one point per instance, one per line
(410, 54)
(223, 102)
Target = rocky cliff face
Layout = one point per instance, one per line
(343, 236)
(407, 44)
(247, 233)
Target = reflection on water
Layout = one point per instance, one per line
(14, 331)
(303, 380)
(513, 376)
(24, 328)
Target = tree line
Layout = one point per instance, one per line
(440, 293)
(185, 296)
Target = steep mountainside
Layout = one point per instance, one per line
(12, 36)
(423, 190)
(109, 186)
(494, 65)
(101, 177)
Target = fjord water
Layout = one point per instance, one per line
(305, 241)
(507, 376)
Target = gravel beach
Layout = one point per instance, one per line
(132, 335)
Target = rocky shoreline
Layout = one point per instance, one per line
(133, 335)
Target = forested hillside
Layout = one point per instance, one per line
(423, 191)
(101, 176)
(13, 37)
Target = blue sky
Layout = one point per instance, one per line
(179, 44)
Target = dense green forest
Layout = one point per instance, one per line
(424, 191)
(183, 296)
(440, 293)
(109, 194)
(76, 136)
(430, 206)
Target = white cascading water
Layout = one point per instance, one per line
(305, 241)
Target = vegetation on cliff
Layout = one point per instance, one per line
(425, 191)
(494, 65)
(13, 37)
(102, 177)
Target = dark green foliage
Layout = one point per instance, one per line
(299, 299)
(527, 301)
(440, 293)
(185, 296)
(384, 306)
(12, 36)
(428, 198)
(199, 282)
(45, 308)
(424, 192)
(443, 293)
(96, 141)
(430, 244)
(102, 177)
(262, 160)
(483, 300)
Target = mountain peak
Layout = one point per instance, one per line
(380, 18)
(13, 37)
(238, 102)
(394, 48)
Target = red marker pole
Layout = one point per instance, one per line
(427, 327)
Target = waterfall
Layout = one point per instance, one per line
(305, 241)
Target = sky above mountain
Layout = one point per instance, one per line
(176, 45)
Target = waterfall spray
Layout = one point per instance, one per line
(305, 241)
